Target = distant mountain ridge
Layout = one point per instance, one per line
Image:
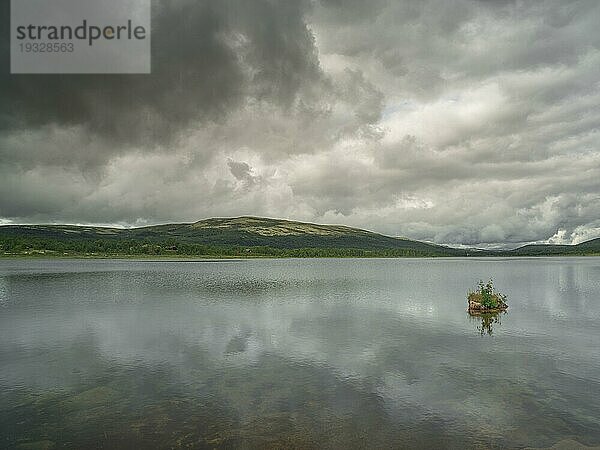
(240, 236)
(588, 247)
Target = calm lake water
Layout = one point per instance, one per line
(305, 353)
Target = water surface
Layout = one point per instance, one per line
(311, 353)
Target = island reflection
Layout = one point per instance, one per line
(486, 321)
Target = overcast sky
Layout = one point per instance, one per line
(459, 122)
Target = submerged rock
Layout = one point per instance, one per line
(37, 445)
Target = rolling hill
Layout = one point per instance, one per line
(241, 236)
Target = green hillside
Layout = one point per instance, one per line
(240, 236)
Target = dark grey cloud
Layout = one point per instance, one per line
(243, 173)
(208, 57)
(462, 121)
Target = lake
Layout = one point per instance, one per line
(307, 353)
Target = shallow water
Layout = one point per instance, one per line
(325, 353)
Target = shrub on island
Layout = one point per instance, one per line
(485, 299)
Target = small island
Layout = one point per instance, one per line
(486, 300)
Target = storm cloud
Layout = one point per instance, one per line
(460, 122)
